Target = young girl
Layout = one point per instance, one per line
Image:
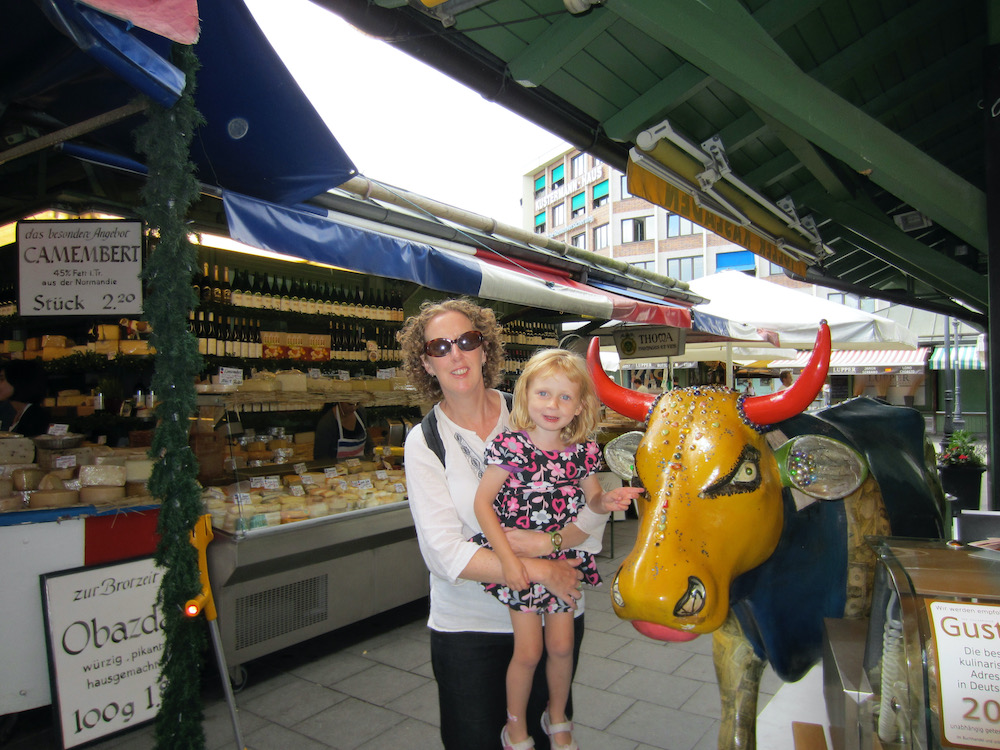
(538, 476)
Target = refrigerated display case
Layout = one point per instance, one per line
(932, 652)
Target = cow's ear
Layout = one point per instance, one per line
(620, 455)
(821, 467)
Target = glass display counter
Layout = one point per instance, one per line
(932, 653)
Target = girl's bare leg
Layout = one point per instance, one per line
(528, 645)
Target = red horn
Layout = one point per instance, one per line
(774, 407)
(625, 401)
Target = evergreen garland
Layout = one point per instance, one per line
(165, 139)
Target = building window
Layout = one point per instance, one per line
(558, 177)
(600, 194)
(634, 230)
(646, 265)
(686, 269)
(540, 223)
(579, 240)
(558, 215)
(539, 186)
(624, 186)
(578, 206)
(773, 269)
(867, 304)
(839, 297)
(578, 165)
(601, 237)
(678, 226)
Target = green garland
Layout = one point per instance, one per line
(165, 139)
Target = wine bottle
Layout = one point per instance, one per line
(201, 331)
(267, 294)
(256, 291)
(216, 286)
(227, 287)
(206, 285)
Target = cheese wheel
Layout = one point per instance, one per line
(138, 469)
(97, 494)
(105, 475)
(52, 498)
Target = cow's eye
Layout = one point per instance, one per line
(743, 477)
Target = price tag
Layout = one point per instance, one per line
(300, 468)
(230, 376)
(256, 482)
(308, 479)
(272, 482)
(341, 484)
(343, 375)
(363, 484)
(64, 462)
(314, 373)
(297, 489)
(58, 429)
(242, 498)
(968, 655)
(333, 471)
(399, 487)
(386, 373)
(381, 474)
(353, 462)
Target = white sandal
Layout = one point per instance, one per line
(551, 729)
(527, 744)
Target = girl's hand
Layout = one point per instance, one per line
(515, 575)
(617, 499)
(527, 543)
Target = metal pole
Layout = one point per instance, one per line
(956, 421)
(948, 425)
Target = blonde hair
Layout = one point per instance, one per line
(573, 368)
(411, 341)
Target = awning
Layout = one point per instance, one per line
(864, 361)
(95, 64)
(962, 357)
(318, 236)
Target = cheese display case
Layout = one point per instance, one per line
(932, 652)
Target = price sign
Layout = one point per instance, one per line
(230, 376)
(79, 268)
(333, 471)
(381, 474)
(243, 498)
(308, 479)
(65, 462)
(968, 654)
(297, 490)
(386, 373)
(343, 375)
(256, 482)
(58, 429)
(299, 468)
(104, 632)
(363, 484)
(272, 482)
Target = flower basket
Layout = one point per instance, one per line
(961, 468)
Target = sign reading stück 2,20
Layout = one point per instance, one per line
(79, 267)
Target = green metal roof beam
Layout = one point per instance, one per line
(706, 35)
(557, 45)
(887, 242)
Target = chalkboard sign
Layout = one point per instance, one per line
(104, 632)
(79, 268)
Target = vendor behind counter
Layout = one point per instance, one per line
(341, 433)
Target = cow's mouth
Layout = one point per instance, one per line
(693, 600)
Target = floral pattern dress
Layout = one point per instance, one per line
(542, 493)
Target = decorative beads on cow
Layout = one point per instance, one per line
(731, 540)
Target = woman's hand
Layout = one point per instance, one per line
(527, 543)
(560, 577)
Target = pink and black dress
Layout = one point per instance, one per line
(542, 493)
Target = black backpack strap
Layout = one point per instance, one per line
(432, 436)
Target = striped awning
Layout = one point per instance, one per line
(962, 357)
(864, 361)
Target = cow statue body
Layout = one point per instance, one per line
(731, 539)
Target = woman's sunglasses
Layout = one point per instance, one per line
(467, 342)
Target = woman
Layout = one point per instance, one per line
(341, 433)
(452, 353)
(22, 387)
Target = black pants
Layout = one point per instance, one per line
(471, 673)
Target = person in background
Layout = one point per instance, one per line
(452, 354)
(539, 475)
(340, 433)
(785, 379)
(22, 388)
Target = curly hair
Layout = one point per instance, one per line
(572, 367)
(411, 341)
